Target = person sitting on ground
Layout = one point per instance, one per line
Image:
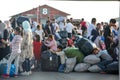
(61, 53)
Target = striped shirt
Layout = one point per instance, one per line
(16, 44)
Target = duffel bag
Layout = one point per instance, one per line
(91, 59)
(82, 67)
(74, 52)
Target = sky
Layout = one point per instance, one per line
(101, 10)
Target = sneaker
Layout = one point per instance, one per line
(102, 72)
(15, 75)
(30, 72)
(25, 73)
(5, 76)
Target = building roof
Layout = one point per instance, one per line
(41, 6)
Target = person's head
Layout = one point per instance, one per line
(93, 20)
(18, 31)
(59, 48)
(68, 20)
(53, 20)
(95, 51)
(26, 26)
(0, 21)
(112, 22)
(71, 19)
(50, 37)
(82, 19)
(48, 22)
(37, 38)
(39, 27)
(102, 23)
(98, 26)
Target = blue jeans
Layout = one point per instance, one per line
(70, 35)
(103, 64)
(61, 68)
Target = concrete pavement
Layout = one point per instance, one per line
(63, 76)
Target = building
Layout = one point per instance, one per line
(42, 13)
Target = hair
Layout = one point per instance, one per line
(68, 20)
(37, 38)
(19, 30)
(51, 36)
(98, 24)
(112, 21)
(47, 21)
(60, 47)
(0, 21)
(38, 26)
(82, 19)
(95, 49)
(93, 20)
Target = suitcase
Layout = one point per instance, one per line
(63, 34)
(49, 61)
(113, 68)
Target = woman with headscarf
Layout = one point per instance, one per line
(27, 49)
(4, 40)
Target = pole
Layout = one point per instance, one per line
(38, 14)
(119, 39)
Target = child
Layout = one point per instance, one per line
(37, 49)
(40, 32)
(16, 50)
(61, 53)
(51, 43)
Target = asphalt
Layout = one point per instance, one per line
(63, 76)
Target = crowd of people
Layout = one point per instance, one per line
(24, 42)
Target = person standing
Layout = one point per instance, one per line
(4, 40)
(49, 29)
(37, 49)
(40, 32)
(27, 48)
(16, 51)
(91, 27)
(69, 28)
(109, 38)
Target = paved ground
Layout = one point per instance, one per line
(62, 76)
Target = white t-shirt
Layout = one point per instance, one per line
(39, 32)
(62, 56)
(61, 26)
(56, 27)
(69, 27)
(89, 29)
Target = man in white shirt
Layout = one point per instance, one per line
(91, 27)
(69, 27)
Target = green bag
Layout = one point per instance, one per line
(74, 52)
